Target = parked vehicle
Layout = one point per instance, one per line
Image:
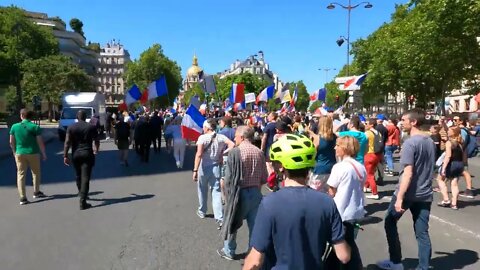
(91, 102)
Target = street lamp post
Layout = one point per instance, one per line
(342, 39)
(326, 73)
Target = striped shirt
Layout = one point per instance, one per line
(254, 169)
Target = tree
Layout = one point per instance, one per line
(21, 40)
(152, 64)
(48, 78)
(253, 84)
(77, 26)
(94, 46)
(428, 49)
(303, 99)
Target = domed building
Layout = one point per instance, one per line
(193, 74)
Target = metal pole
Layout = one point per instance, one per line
(349, 8)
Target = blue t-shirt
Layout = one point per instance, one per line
(293, 227)
(270, 130)
(325, 156)
(228, 132)
(362, 140)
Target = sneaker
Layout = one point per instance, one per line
(373, 196)
(389, 265)
(367, 190)
(223, 255)
(200, 214)
(468, 193)
(390, 173)
(23, 201)
(38, 195)
(219, 224)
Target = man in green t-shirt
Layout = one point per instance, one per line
(26, 143)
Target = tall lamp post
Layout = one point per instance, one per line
(342, 39)
(326, 73)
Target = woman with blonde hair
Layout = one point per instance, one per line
(452, 168)
(174, 131)
(345, 185)
(324, 142)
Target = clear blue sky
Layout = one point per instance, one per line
(297, 37)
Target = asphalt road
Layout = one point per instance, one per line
(144, 218)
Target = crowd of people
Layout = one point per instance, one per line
(320, 169)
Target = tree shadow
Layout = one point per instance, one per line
(459, 259)
(133, 197)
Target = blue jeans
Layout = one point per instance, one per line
(389, 149)
(421, 215)
(248, 204)
(209, 176)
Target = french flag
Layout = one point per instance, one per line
(266, 93)
(158, 88)
(239, 106)
(192, 124)
(238, 93)
(133, 95)
(320, 94)
(295, 97)
(355, 82)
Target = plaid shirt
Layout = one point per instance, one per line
(254, 169)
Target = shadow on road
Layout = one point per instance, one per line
(64, 196)
(133, 197)
(107, 166)
(376, 207)
(459, 259)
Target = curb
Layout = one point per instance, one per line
(47, 138)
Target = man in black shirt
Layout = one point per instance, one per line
(80, 137)
(380, 127)
(156, 131)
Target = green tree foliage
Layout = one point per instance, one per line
(152, 64)
(196, 89)
(428, 49)
(77, 26)
(303, 99)
(94, 46)
(21, 40)
(50, 76)
(253, 84)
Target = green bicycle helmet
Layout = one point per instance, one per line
(294, 152)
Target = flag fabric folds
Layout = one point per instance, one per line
(158, 88)
(283, 94)
(132, 95)
(266, 93)
(355, 82)
(237, 95)
(208, 84)
(320, 94)
(295, 97)
(144, 97)
(195, 101)
(192, 124)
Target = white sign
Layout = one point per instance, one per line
(249, 97)
(342, 80)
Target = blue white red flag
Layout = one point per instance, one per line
(158, 88)
(320, 94)
(192, 124)
(355, 82)
(133, 95)
(266, 93)
(237, 95)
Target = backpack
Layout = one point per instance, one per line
(470, 144)
(377, 142)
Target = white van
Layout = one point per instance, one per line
(91, 102)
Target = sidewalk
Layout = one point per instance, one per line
(49, 133)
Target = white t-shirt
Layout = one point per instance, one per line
(349, 197)
(213, 154)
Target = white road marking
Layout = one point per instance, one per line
(445, 222)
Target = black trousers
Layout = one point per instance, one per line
(355, 262)
(157, 137)
(83, 164)
(144, 151)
